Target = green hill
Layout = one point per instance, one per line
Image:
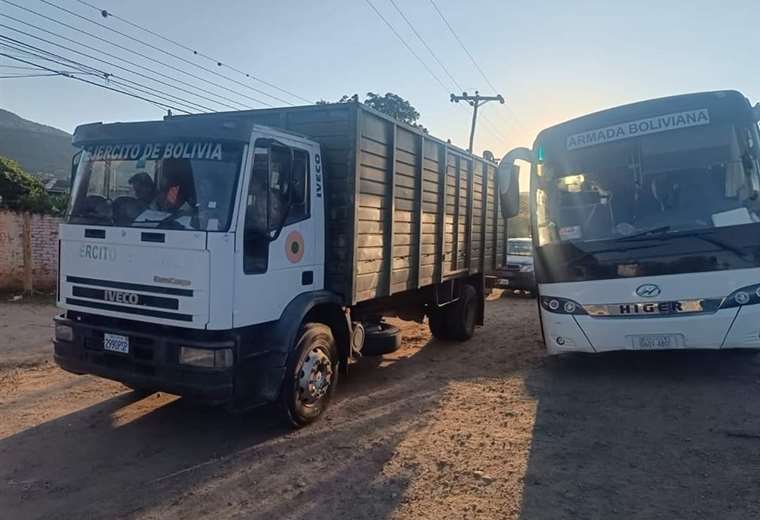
(40, 149)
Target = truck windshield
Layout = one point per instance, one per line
(172, 185)
(687, 179)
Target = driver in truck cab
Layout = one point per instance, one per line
(177, 191)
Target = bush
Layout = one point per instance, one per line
(23, 192)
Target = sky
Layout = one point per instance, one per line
(552, 60)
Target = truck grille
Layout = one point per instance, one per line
(127, 298)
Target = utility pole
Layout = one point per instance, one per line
(475, 102)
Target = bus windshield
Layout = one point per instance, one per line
(183, 185)
(691, 178)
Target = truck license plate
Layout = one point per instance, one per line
(116, 343)
(657, 341)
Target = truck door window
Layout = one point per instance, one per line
(279, 189)
(299, 208)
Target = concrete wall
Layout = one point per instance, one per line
(40, 239)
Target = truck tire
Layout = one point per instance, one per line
(381, 338)
(311, 375)
(462, 314)
(439, 326)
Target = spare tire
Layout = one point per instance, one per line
(381, 338)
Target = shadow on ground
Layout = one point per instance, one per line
(180, 460)
(645, 436)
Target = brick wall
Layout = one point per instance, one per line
(44, 250)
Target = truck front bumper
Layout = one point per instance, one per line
(151, 363)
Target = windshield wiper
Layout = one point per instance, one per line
(661, 230)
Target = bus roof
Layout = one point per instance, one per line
(723, 104)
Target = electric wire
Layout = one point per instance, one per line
(62, 60)
(163, 51)
(429, 49)
(472, 59)
(127, 49)
(408, 47)
(84, 80)
(105, 14)
(134, 64)
(136, 73)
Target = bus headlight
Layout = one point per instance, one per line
(561, 305)
(749, 295)
(527, 268)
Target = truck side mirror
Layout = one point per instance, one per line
(509, 189)
(74, 166)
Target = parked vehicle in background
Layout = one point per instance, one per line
(247, 257)
(646, 226)
(517, 272)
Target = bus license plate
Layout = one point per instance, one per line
(657, 341)
(502, 282)
(116, 343)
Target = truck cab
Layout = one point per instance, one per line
(179, 241)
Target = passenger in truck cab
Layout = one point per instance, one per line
(145, 190)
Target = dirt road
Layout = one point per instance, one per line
(485, 429)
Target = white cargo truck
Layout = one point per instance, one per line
(247, 257)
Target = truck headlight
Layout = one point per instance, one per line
(64, 332)
(205, 358)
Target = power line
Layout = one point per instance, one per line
(421, 39)
(491, 126)
(163, 51)
(408, 47)
(66, 62)
(472, 58)
(126, 69)
(24, 76)
(134, 64)
(461, 44)
(105, 14)
(176, 101)
(403, 41)
(132, 51)
(98, 85)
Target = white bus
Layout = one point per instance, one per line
(646, 226)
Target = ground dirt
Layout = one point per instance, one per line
(489, 428)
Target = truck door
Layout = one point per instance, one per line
(280, 246)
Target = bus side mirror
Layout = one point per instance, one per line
(509, 189)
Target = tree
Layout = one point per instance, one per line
(390, 104)
(19, 190)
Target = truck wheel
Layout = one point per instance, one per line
(462, 314)
(439, 326)
(311, 376)
(381, 338)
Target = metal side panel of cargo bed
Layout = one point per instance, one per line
(403, 209)
(425, 211)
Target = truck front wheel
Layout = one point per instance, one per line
(311, 376)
